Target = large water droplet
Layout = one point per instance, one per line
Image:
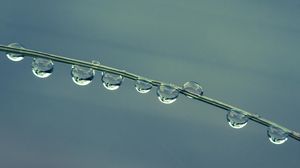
(15, 56)
(276, 135)
(167, 94)
(82, 75)
(143, 86)
(42, 68)
(111, 81)
(193, 87)
(236, 119)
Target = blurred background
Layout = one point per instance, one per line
(245, 53)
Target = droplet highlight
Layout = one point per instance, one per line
(236, 119)
(42, 68)
(276, 135)
(82, 75)
(167, 94)
(111, 81)
(15, 56)
(193, 87)
(143, 86)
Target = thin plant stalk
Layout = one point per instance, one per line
(99, 67)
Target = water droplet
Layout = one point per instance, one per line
(143, 86)
(167, 94)
(193, 87)
(82, 75)
(15, 56)
(111, 81)
(276, 135)
(236, 119)
(42, 68)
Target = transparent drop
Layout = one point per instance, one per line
(193, 87)
(81, 75)
(167, 94)
(111, 81)
(42, 68)
(236, 119)
(142, 86)
(276, 135)
(15, 56)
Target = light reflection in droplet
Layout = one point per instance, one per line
(276, 135)
(82, 75)
(15, 56)
(167, 94)
(236, 119)
(111, 81)
(143, 86)
(193, 87)
(42, 68)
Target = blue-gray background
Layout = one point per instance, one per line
(245, 53)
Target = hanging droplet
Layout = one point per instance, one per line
(143, 86)
(236, 119)
(82, 75)
(42, 68)
(15, 56)
(167, 94)
(111, 81)
(193, 87)
(276, 135)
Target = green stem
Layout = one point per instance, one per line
(37, 54)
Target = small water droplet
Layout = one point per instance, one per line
(167, 94)
(82, 75)
(236, 119)
(15, 56)
(111, 81)
(143, 86)
(276, 135)
(42, 68)
(193, 87)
